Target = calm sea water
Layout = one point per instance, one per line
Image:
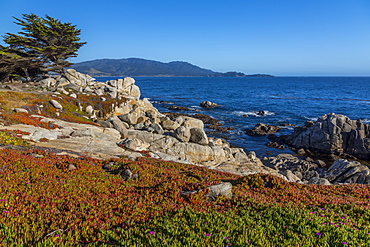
(285, 100)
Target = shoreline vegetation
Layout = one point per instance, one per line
(55, 197)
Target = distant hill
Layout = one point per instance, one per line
(139, 67)
(143, 67)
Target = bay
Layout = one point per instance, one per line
(285, 100)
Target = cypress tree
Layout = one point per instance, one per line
(44, 44)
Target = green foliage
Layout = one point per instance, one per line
(43, 45)
(12, 138)
(44, 204)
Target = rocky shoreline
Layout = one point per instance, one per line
(133, 128)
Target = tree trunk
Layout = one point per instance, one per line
(28, 78)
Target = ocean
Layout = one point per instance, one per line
(284, 100)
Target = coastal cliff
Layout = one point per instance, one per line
(75, 169)
(123, 124)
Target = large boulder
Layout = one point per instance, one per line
(333, 133)
(77, 78)
(56, 104)
(191, 122)
(221, 189)
(198, 135)
(48, 82)
(182, 133)
(134, 144)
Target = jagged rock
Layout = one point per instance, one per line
(320, 181)
(241, 157)
(131, 118)
(62, 91)
(113, 94)
(217, 142)
(113, 83)
(109, 88)
(108, 166)
(320, 163)
(83, 132)
(134, 91)
(170, 125)
(41, 133)
(182, 133)
(77, 78)
(126, 174)
(333, 133)
(99, 91)
(71, 167)
(128, 81)
(20, 110)
(134, 144)
(221, 189)
(303, 169)
(290, 176)
(198, 135)
(105, 124)
(191, 122)
(208, 104)
(48, 82)
(88, 90)
(177, 108)
(118, 124)
(62, 82)
(262, 129)
(56, 104)
(275, 145)
(89, 110)
(344, 171)
(157, 128)
(252, 155)
(170, 148)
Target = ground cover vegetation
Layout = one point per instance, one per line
(39, 104)
(44, 204)
(43, 45)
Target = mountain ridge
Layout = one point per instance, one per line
(144, 67)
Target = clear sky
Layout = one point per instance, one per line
(279, 37)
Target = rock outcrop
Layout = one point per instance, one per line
(333, 134)
(209, 104)
(301, 169)
(262, 129)
(312, 172)
(132, 127)
(344, 171)
(86, 84)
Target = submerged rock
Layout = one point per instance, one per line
(262, 129)
(209, 104)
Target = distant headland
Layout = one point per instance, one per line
(144, 67)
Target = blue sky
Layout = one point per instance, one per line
(284, 38)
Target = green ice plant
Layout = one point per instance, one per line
(44, 204)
